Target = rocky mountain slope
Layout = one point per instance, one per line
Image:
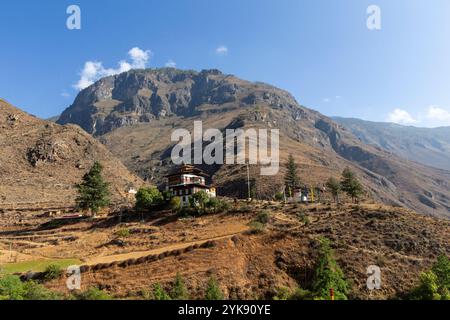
(429, 146)
(134, 114)
(41, 162)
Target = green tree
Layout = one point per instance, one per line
(335, 188)
(11, 288)
(179, 291)
(148, 197)
(351, 185)
(291, 178)
(434, 284)
(213, 291)
(93, 191)
(198, 201)
(428, 287)
(329, 275)
(159, 293)
(441, 269)
(175, 204)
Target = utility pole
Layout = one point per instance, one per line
(248, 181)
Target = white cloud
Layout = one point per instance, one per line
(94, 70)
(222, 50)
(438, 116)
(326, 100)
(171, 64)
(139, 57)
(401, 117)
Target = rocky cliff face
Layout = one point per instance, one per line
(134, 113)
(141, 96)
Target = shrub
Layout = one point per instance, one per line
(284, 293)
(52, 272)
(434, 284)
(12, 288)
(198, 202)
(256, 227)
(302, 217)
(159, 293)
(213, 291)
(179, 291)
(279, 196)
(93, 294)
(217, 205)
(263, 217)
(123, 233)
(35, 291)
(148, 197)
(428, 287)
(175, 204)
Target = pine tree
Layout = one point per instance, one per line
(159, 293)
(351, 185)
(329, 275)
(179, 291)
(335, 188)
(213, 291)
(93, 192)
(291, 178)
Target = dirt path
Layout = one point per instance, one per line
(176, 246)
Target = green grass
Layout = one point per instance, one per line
(36, 265)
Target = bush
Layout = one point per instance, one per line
(213, 291)
(428, 287)
(283, 293)
(279, 196)
(217, 205)
(147, 198)
(35, 291)
(263, 217)
(179, 291)
(175, 204)
(256, 227)
(93, 294)
(302, 217)
(198, 202)
(12, 288)
(434, 284)
(159, 293)
(123, 233)
(52, 272)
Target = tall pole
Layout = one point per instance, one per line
(248, 181)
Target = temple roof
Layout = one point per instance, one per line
(187, 169)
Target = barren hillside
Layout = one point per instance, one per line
(41, 162)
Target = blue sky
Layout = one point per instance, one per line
(321, 50)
